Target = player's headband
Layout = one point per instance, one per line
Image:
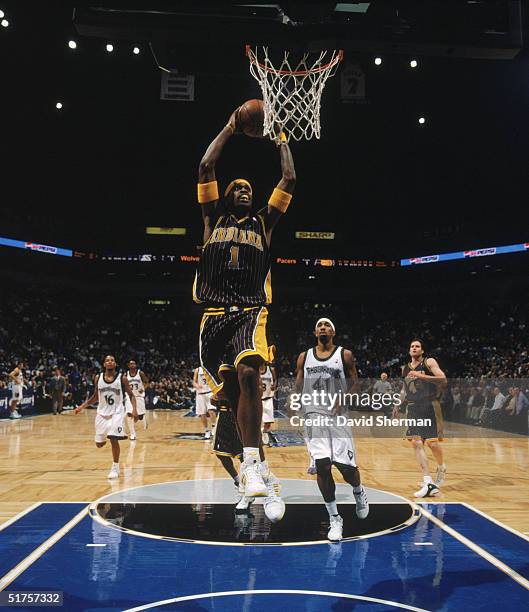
(325, 320)
(236, 182)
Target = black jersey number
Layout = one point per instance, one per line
(234, 261)
(109, 400)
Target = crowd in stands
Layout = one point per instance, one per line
(481, 343)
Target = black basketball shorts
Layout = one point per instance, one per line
(239, 332)
(227, 440)
(427, 411)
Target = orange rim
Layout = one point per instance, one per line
(253, 60)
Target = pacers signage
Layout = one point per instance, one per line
(315, 235)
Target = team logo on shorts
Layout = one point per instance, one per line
(350, 454)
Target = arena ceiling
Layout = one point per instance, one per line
(117, 158)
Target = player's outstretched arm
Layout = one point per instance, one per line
(282, 194)
(208, 193)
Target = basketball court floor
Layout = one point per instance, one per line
(165, 535)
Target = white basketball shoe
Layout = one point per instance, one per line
(114, 472)
(336, 528)
(251, 482)
(362, 505)
(274, 506)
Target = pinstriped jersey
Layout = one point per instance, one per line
(234, 269)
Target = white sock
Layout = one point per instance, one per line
(427, 479)
(331, 508)
(115, 466)
(250, 454)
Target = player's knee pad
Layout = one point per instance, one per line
(323, 466)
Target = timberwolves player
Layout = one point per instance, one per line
(328, 368)
(268, 387)
(203, 405)
(109, 393)
(137, 381)
(17, 386)
(232, 283)
(420, 392)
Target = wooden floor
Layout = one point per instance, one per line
(53, 458)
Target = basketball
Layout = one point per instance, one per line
(251, 118)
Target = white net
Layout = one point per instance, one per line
(292, 90)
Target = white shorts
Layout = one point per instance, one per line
(268, 410)
(110, 427)
(140, 406)
(16, 393)
(332, 442)
(203, 403)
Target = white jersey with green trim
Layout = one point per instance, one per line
(322, 379)
(136, 384)
(110, 395)
(267, 381)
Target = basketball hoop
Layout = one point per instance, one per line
(292, 91)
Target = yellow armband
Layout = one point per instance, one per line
(208, 192)
(280, 199)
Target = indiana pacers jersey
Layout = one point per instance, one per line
(417, 390)
(234, 269)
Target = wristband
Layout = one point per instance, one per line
(280, 199)
(207, 192)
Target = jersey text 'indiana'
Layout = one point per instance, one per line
(234, 269)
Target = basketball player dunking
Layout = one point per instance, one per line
(137, 381)
(17, 386)
(422, 379)
(109, 392)
(233, 284)
(330, 368)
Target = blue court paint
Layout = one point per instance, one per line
(25, 535)
(504, 545)
(131, 571)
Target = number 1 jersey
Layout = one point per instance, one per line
(234, 269)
